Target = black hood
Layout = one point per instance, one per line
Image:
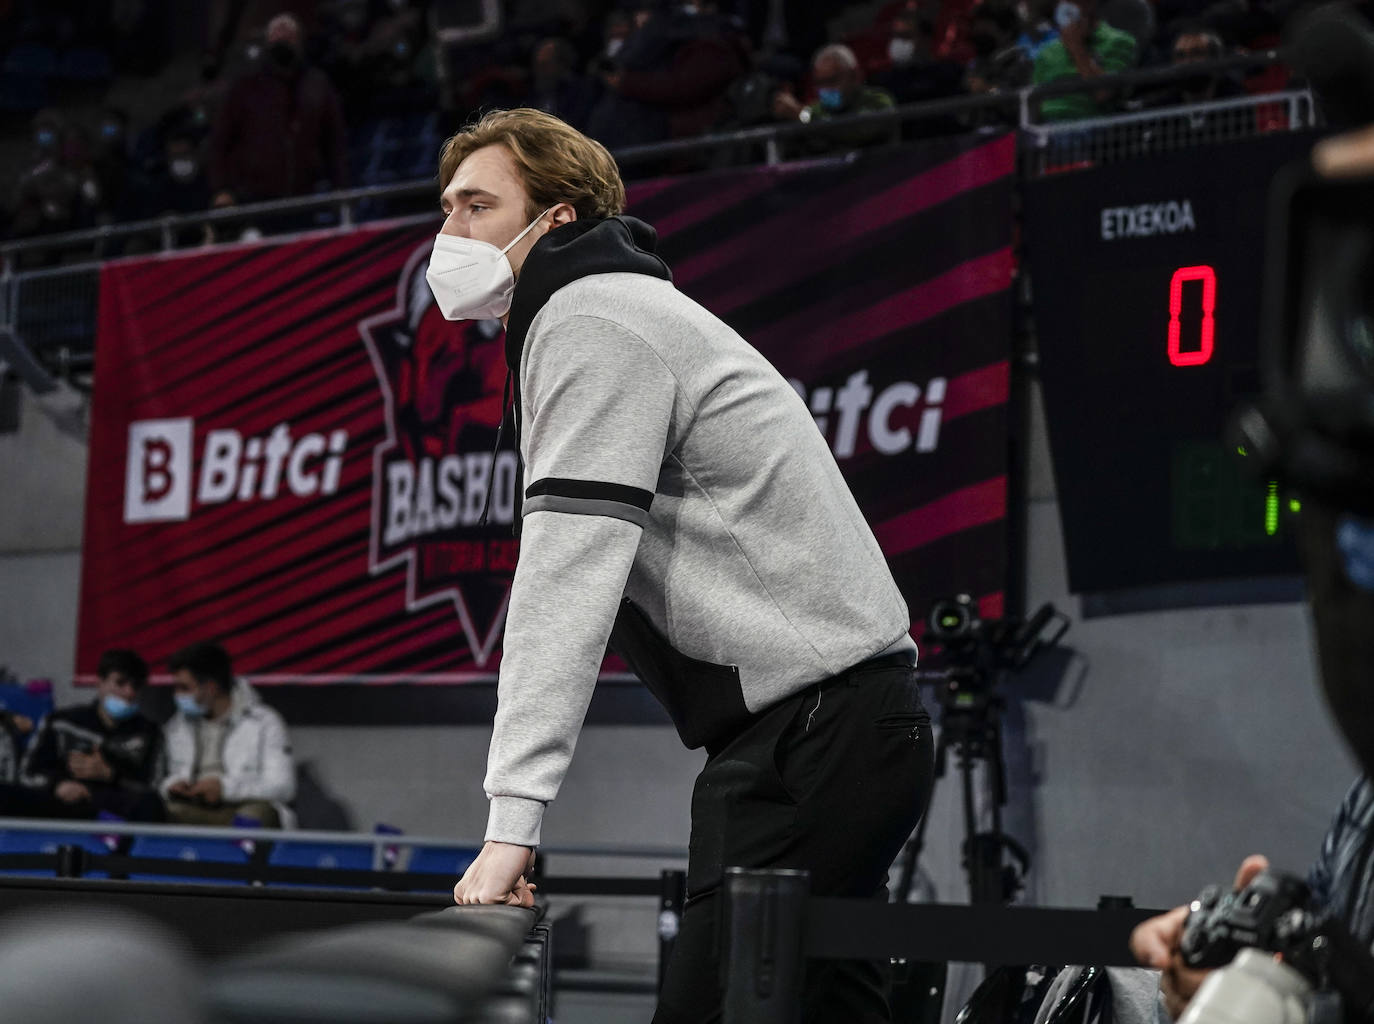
(615, 245)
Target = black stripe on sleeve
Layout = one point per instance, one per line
(593, 490)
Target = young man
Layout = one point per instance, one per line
(228, 755)
(101, 756)
(679, 502)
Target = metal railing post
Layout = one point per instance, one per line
(672, 900)
(761, 962)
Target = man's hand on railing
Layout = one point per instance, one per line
(498, 876)
(221, 200)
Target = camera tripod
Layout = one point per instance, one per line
(971, 724)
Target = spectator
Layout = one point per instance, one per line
(1087, 48)
(227, 752)
(911, 71)
(1192, 46)
(14, 733)
(671, 77)
(1040, 29)
(281, 131)
(101, 756)
(840, 90)
(48, 195)
(120, 188)
(177, 184)
(557, 88)
(1001, 63)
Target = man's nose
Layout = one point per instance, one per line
(453, 226)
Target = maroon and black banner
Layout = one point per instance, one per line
(291, 450)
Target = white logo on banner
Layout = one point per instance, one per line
(849, 403)
(157, 479)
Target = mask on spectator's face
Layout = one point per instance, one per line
(189, 706)
(118, 708)
(614, 46)
(831, 97)
(472, 279)
(283, 54)
(900, 50)
(182, 169)
(1066, 13)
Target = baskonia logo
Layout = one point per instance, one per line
(442, 385)
(162, 474)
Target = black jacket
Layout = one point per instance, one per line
(133, 748)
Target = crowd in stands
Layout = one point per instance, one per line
(302, 96)
(223, 757)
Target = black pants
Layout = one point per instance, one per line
(832, 780)
(24, 802)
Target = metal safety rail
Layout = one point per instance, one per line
(73, 864)
(771, 926)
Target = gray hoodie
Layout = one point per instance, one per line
(679, 503)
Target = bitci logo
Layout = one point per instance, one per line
(157, 483)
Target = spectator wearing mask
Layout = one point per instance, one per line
(228, 755)
(1087, 48)
(912, 72)
(101, 756)
(281, 131)
(671, 77)
(557, 88)
(1037, 17)
(114, 171)
(47, 197)
(840, 90)
(177, 184)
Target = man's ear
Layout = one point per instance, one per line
(563, 213)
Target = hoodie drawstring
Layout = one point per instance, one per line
(496, 448)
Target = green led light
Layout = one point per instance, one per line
(1240, 450)
(1271, 509)
(1294, 505)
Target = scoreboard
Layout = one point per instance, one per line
(1147, 278)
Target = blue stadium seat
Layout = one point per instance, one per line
(16, 841)
(325, 857)
(442, 860)
(209, 851)
(23, 700)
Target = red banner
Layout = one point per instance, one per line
(291, 450)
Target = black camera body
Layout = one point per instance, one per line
(1222, 922)
(1272, 914)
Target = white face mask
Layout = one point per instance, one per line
(471, 279)
(900, 50)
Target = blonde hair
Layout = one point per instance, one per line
(557, 163)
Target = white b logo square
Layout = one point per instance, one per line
(157, 478)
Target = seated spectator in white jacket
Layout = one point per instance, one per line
(228, 755)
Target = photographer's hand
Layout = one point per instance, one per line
(1156, 943)
(1345, 156)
